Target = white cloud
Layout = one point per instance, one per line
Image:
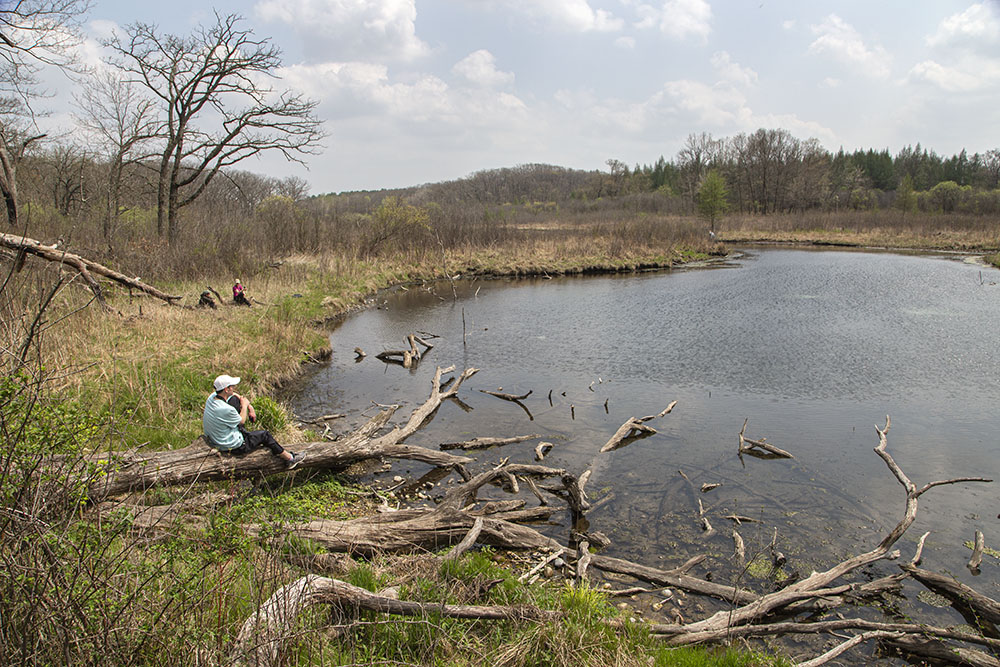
(710, 106)
(955, 79)
(723, 108)
(732, 72)
(843, 42)
(677, 19)
(831, 82)
(350, 29)
(979, 23)
(480, 68)
(103, 29)
(627, 43)
(573, 15)
(350, 90)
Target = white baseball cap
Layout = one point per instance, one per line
(224, 381)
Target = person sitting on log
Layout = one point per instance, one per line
(206, 300)
(239, 294)
(226, 412)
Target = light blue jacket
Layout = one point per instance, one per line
(220, 423)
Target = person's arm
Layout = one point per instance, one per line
(244, 409)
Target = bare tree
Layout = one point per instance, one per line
(121, 122)
(700, 152)
(67, 163)
(216, 110)
(33, 34)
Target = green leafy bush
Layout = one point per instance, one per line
(271, 415)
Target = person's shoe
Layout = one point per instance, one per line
(295, 460)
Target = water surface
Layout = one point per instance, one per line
(814, 348)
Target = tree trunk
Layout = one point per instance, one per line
(8, 184)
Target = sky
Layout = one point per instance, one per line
(415, 91)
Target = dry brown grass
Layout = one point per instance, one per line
(891, 229)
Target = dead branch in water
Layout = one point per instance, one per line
(541, 449)
(977, 552)
(406, 358)
(507, 397)
(748, 446)
(633, 429)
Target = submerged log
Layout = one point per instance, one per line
(932, 649)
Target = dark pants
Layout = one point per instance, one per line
(253, 440)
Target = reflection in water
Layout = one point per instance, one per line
(814, 347)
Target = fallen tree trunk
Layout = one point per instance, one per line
(113, 474)
(260, 637)
(981, 611)
(485, 443)
(85, 267)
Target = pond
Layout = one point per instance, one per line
(813, 348)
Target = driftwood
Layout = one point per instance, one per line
(446, 524)
(541, 449)
(484, 443)
(751, 447)
(739, 549)
(978, 609)
(633, 429)
(583, 561)
(260, 637)
(743, 620)
(467, 541)
(507, 397)
(22, 245)
(406, 358)
(113, 474)
(977, 553)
